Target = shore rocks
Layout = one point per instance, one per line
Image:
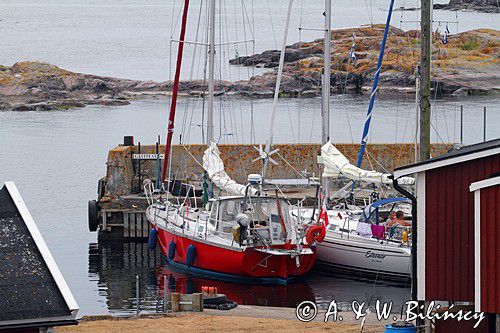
(467, 64)
(485, 6)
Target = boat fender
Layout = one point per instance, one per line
(190, 255)
(190, 286)
(93, 212)
(171, 250)
(152, 239)
(315, 234)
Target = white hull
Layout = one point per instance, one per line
(364, 255)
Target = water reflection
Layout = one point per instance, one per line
(114, 267)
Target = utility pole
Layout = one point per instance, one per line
(327, 64)
(425, 79)
(211, 70)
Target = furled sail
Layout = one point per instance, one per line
(213, 165)
(336, 164)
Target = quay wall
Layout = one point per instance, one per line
(125, 175)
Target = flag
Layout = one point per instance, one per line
(444, 39)
(352, 55)
(323, 214)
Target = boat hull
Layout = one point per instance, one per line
(234, 264)
(364, 257)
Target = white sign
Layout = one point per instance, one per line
(147, 156)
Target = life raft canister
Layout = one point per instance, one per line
(190, 255)
(152, 239)
(171, 250)
(315, 233)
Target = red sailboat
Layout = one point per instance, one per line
(242, 236)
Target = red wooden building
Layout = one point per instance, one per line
(487, 244)
(449, 254)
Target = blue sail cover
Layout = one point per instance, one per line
(370, 209)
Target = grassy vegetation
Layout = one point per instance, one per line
(473, 49)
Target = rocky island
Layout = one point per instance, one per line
(467, 64)
(486, 6)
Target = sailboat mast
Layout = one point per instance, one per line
(269, 142)
(425, 79)
(175, 91)
(327, 64)
(211, 71)
(366, 128)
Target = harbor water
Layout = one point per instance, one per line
(55, 158)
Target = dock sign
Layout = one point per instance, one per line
(147, 156)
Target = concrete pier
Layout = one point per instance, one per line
(121, 205)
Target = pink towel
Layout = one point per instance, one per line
(378, 231)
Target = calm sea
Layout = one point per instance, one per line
(56, 158)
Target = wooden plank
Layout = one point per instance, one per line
(143, 224)
(456, 187)
(441, 241)
(431, 234)
(175, 302)
(448, 235)
(197, 300)
(133, 225)
(126, 225)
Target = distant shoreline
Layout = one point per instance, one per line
(465, 65)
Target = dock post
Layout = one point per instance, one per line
(139, 168)
(175, 299)
(197, 300)
(484, 124)
(461, 124)
(137, 310)
(165, 294)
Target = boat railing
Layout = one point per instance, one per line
(148, 191)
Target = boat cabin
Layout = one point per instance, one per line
(268, 218)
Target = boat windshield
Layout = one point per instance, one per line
(267, 216)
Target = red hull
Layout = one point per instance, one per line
(248, 263)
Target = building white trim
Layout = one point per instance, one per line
(40, 321)
(42, 247)
(484, 183)
(477, 250)
(420, 194)
(445, 162)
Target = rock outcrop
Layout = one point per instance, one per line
(486, 6)
(467, 64)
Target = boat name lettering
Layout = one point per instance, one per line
(370, 254)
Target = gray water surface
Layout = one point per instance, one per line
(56, 158)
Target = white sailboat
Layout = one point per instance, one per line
(354, 241)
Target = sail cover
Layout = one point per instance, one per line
(336, 164)
(213, 165)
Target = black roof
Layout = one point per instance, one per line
(464, 150)
(28, 290)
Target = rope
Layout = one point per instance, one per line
(290, 166)
(194, 158)
(376, 161)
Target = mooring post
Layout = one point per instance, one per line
(165, 294)
(461, 124)
(484, 124)
(137, 296)
(175, 299)
(139, 167)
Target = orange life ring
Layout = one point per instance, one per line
(316, 234)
